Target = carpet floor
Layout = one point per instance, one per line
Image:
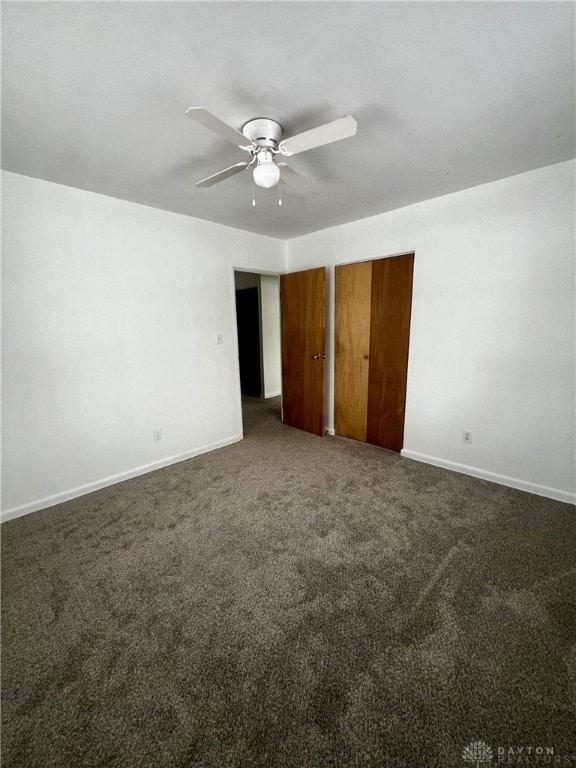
(289, 602)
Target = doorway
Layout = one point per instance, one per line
(257, 297)
(249, 341)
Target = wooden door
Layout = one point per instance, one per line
(353, 298)
(389, 338)
(372, 328)
(302, 318)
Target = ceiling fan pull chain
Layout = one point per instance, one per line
(279, 195)
(253, 193)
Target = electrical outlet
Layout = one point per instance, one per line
(466, 436)
(157, 433)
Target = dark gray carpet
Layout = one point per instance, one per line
(289, 601)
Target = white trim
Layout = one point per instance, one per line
(493, 477)
(329, 431)
(236, 350)
(272, 394)
(82, 490)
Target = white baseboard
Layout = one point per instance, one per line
(82, 490)
(493, 477)
(329, 431)
(50, 501)
(272, 394)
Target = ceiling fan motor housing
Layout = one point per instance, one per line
(263, 132)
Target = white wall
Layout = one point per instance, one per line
(271, 344)
(111, 311)
(492, 345)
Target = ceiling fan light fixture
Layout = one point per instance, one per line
(266, 174)
(265, 141)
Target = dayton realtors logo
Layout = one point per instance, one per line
(478, 753)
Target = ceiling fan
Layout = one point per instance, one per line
(262, 138)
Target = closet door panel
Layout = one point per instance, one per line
(302, 322)
(389, 337)
(352, 348)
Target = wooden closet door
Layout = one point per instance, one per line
(352, 346)
(302, 322)
(389, 338)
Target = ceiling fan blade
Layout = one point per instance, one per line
(342, 128)
(294, 179)
(213, 123)
(221, 175)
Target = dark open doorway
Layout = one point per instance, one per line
(248, 322)
(257, 298)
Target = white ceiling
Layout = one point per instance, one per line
(447, 95)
